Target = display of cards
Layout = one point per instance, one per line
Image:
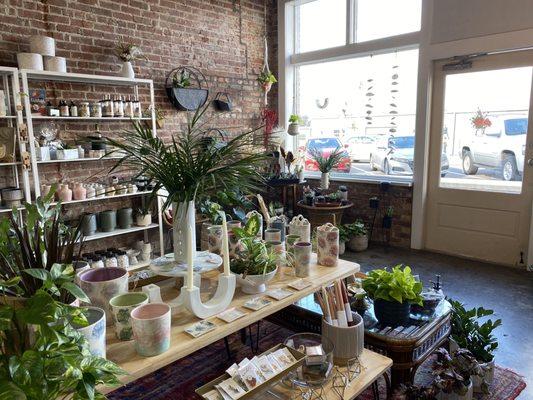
(264, 365)
(250, 376)
(300, 284)
(232, 388)
(223, 393)
(200, 328)
(213, 395)
(284, 357)
(279, 293)
(257, 303)
(274, 363)
(231, 315)
(232, 371)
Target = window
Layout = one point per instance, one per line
(363, 101)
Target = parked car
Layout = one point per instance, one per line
(397, 157)
(326, 146)
(502, 146)
(360, 147)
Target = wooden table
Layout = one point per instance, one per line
(181, 345)
(321, 215)
(375, 365)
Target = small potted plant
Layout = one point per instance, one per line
(309, 199)
(387, 218)
(357, 236)
(143, 214)
(266, 79)
(470, 333)
(343, 238)
(211, 211)
(160, 115)
(333, 198)
(275, 208)
(294, 125)
(326, 163)
(128, 52)
(453, 374)
(254, 263)
(393, 292)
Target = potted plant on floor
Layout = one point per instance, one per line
(343, 238)
(387, 218)
(294, 125)
(468, 332)
(254, 263)
(326, 163)
(128, 52)
(189, 168)
(414, 392)
(453, 374)
(358, 236)
(393, 292)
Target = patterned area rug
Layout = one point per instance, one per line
(178, 380)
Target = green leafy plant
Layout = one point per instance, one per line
(128, 52)
(398, 285)
(390, 212)
(35, 247)
(414, 392)
(274, 206)
(254, 256)
(453, 373)
(234, 202)
(328, 162)
(146, 206)
(181, 79)
(471, 334)
(266, 77)
(343, 233)
(295, 119)
(212, 211)
(355, 229)
(190, 167)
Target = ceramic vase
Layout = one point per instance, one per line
(327, 237)
(184, 216)
(88, 224)
(127, 70)
(95, 332)
(45, 189)
(302, 258)
(55, 64)
(32, 61)
(255, 284)
(272, 235)
(122, 305)
(214, 239)
(300, 226)
(107, 220)
(279, 223)
(102, 284)
(64, 193)
(125, 218)
(79, 192)
(324, 181)
(349, 341)
(143, 220)
(91, 192)
(151, 328)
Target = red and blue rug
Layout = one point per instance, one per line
(179, 380)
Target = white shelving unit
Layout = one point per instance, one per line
(47, 76)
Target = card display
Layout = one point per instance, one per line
(279, 294)
(200, 328)
(257, 303)
(300, 284)
(231, 315)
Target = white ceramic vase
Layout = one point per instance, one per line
(324, 181)
(184, 216)
(43, 45)
(127, 70)
(32, 61)
(300, 226)
(95, 332)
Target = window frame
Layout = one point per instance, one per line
(289, 61)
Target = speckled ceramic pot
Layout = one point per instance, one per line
(327, 239)
(302, 258)
(273, 235)
(102, 284)
(95, 332)
(122, 305)
(151, 328)
(300, 226)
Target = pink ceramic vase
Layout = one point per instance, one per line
(64, 193)
(79, 192)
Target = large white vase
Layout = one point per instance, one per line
(184, 216)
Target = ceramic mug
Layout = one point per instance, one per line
(94, 332)
(327, 239)
(151, 328)
(107, 220)
(302, 258)
(102, 284)
(272, 235)
(122, 305)
(125, 218)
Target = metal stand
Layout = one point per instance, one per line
(342, 378)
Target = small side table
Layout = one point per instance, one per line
(321, 215)
(287, 187)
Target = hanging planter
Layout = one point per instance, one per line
(294, 125)
(187, 88)
(266, 78)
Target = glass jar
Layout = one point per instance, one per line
(84, 110)
(63, 109)
(123, 259)
(118, 104)
(73, 109)
(128, 109)
(111, 260)
(137, 109)
(107, 107)
(97, 262)
(96, 110)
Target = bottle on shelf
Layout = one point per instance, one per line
(118, 104)
(63, 109)
(128, 110)
(73, 109)
(107, 107)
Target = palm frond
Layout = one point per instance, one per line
(329, 162)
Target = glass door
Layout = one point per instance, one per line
(480, 189)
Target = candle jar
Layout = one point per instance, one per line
(128, 108)
(96, 110)
(111, 261)
(118, 106)
(123, 259)
(97, 262)
(302, 258)
(73, 109)
(84, 110)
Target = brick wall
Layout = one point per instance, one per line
(222, 38)
(399, 197)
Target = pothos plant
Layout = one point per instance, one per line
(266, 77)
(398, 285)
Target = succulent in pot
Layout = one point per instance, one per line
(357, 236)
(143, 214)
(294, 125)
(393, 292)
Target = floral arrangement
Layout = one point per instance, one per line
(128, 52)
(480, 120)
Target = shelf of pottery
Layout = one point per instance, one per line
(66, 117)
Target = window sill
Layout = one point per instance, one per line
(392, 180)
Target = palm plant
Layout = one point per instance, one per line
(328, 162)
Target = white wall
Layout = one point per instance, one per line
(462, 19)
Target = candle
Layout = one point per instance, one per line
(225, 244)
(190, 261)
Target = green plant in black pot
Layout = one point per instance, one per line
(387, 218)
(393, 292)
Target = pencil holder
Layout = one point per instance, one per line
(327, 237)
(349, 342)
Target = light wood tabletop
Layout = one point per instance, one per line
(182, 344)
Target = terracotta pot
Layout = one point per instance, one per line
(302, 258)
(151, 328)
(102, 284)
(122, 305)
(358, 243)
(327, 239)
(95, 332)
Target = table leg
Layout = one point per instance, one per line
(293, 200)
(401, 376)
(375, 390)
(226, 345)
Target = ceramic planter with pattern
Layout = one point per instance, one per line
(302, 258)
(151, 328)
(94, 332)
(300, 226)
(122, 305)
(327, 237)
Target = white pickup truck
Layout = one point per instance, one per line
(502, 146)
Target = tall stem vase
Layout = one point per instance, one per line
(184, 216)
(324, 180)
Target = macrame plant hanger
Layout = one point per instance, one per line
(266, 70)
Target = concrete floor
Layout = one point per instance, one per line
(507, 291)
